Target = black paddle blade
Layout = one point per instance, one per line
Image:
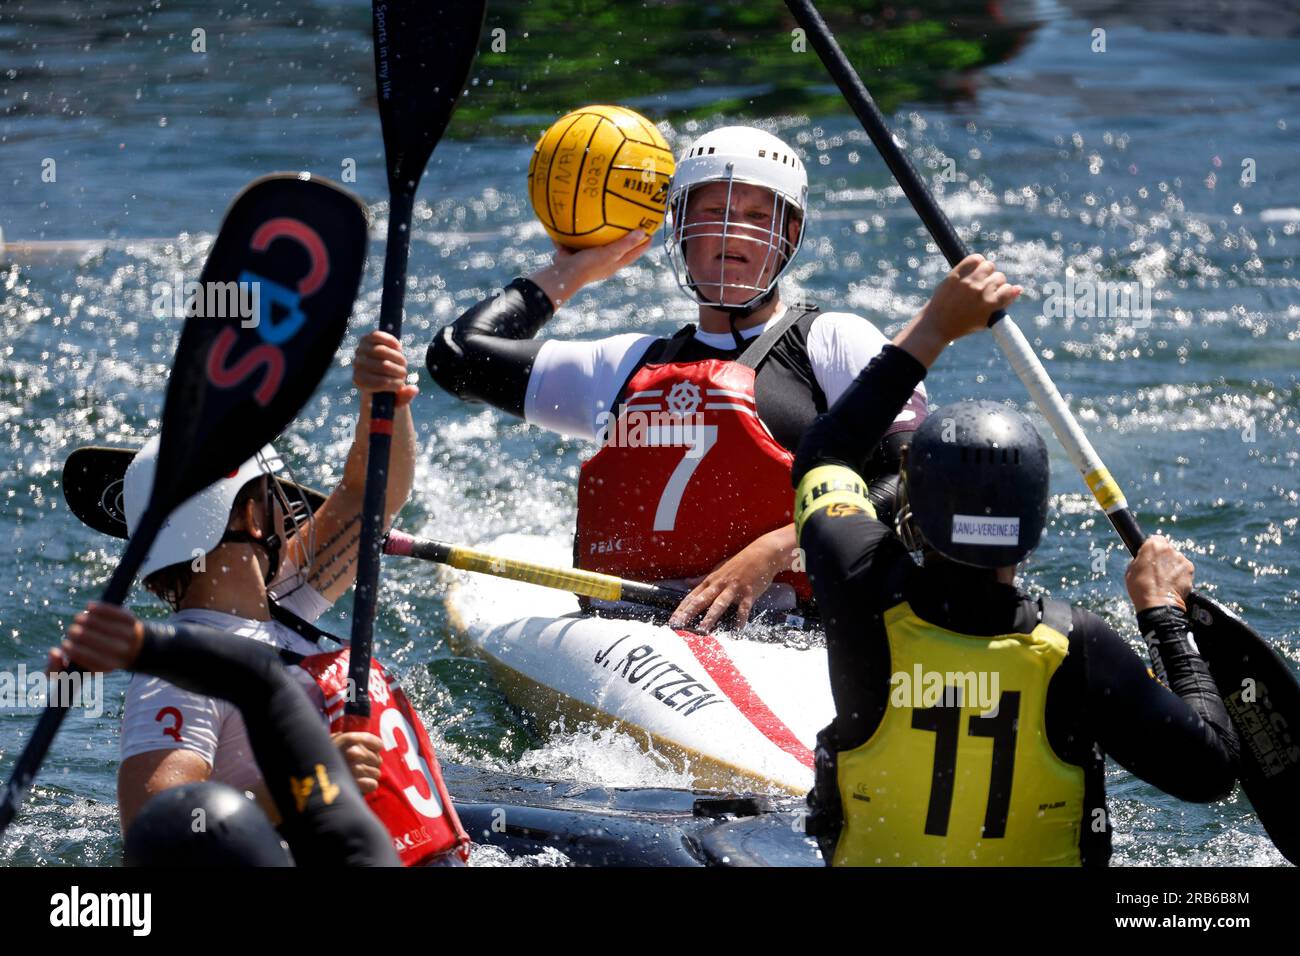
(1262, 695)
(423, 52)
(92, 487)
(300, 244)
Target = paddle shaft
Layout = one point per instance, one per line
(47, 727)
(401, 206)
(423, 55)
(592, 584)
(1012, 341)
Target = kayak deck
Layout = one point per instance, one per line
(735, 715)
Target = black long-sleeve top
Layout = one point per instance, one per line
(1101, 699)
(288, 737)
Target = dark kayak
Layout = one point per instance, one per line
(611, 826)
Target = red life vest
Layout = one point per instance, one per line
(412, 801)
(688, 474)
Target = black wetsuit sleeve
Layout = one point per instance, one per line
(1179, 737)
(850, 432)
(331, 825)
(882, 475)
(854, 562)
(487, 354)
(1180, 666)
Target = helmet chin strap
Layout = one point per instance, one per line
(737, 312)
(270, 544)
(735, 315)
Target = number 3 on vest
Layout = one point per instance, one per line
(391, 725)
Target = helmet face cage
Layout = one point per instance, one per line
(300, 524)
(771, 242)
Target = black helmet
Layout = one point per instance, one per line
(975, 483)
(203, 825)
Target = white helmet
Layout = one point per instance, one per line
(198, 525)
(737, 154)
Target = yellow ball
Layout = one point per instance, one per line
(597, 174)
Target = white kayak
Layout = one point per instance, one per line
(734, 714)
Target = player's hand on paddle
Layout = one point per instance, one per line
(364, 754)
(574, 268)
(961, 304)
(380, 366)
(737, 582)
(967, 296)
(104, 637)
(1159, 576)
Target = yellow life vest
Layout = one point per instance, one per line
(959, 772)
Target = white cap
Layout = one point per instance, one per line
(746, 155)
(198, 524)
(737, 154)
